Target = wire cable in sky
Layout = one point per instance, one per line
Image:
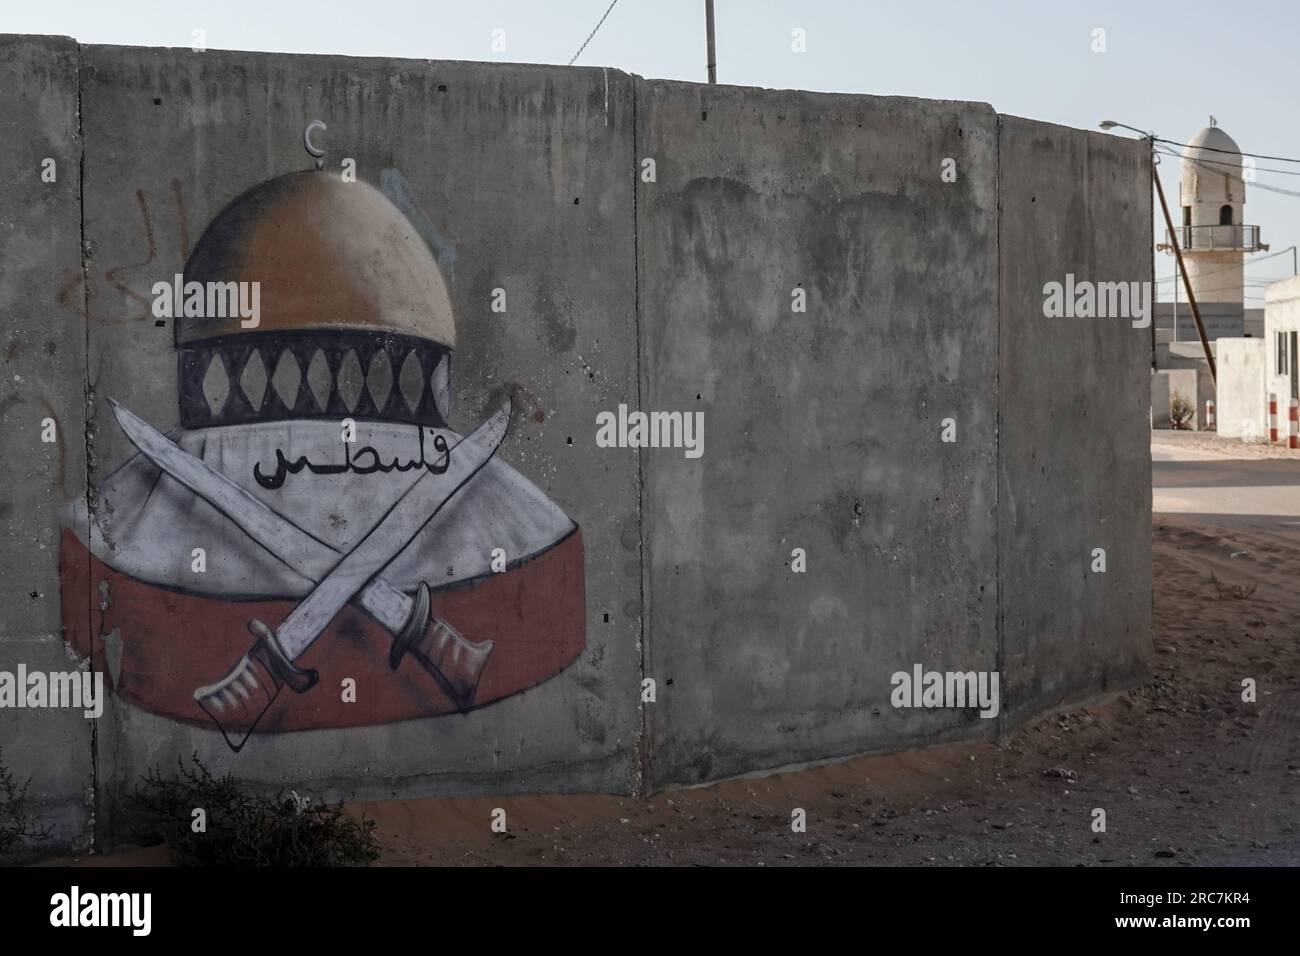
(1254, 185)
(592, 33)
(1248, 262)
(1228, 165)
(1233, 152)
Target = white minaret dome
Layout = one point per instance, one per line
(1217, 145)
(1210, 182)
(1213, 237)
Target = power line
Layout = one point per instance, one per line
(1274, 189)
(1254, 185)
(1249, 262)
(1271, 255)
(592, 33)
(1234, 152)
(1216, 162)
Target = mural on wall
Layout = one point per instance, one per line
(314, 523)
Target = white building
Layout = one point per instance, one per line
(1251, 370)
(1282, 340)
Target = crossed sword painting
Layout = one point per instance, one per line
(239, 700)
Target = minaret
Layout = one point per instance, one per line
(1213, 236)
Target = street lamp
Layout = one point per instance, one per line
(1111, 124)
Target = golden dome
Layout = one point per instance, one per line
(327, 254)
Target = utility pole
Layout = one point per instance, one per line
(1155, 286)
(1178, 255)
(1176, 277)
(1191, 297)
(713, 56)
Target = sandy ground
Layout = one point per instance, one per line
(1187, 772)
(1187, 445)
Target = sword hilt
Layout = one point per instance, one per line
(454, 663)
(239, 700)
(274, 659)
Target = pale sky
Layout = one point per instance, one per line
(1165, 68)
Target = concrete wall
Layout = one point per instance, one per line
(863, 335)
(1218, 323)
(522, 172)
(1189, 355)
(1242, 411)
(829, 419)
(43, 359)
(1074, 457)
(1160, 393)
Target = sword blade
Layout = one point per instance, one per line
(298, 549)
(238, 702)
(416, 508)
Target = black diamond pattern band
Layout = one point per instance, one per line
(314, 373)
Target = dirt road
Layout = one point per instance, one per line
(1186, 771)
(1224, 481)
